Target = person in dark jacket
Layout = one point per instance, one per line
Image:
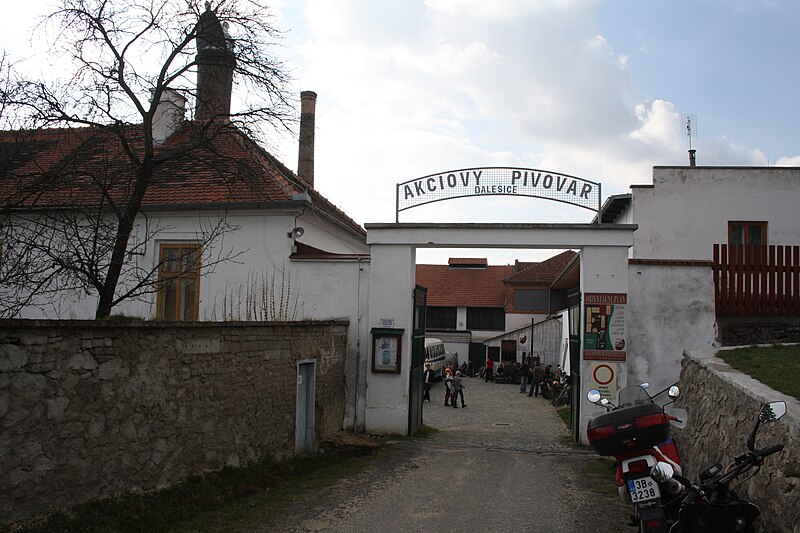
(427, 379)
(537, 375)
(524, 374)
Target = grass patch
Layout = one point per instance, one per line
(215, 501)
(775, 366)
(426, 431)
(600, 472)
(565, 414)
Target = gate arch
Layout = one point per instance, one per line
(604, 269)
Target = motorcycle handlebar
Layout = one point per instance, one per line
(770, 450)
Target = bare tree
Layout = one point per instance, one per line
(69, 224)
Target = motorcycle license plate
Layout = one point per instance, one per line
(643, 489)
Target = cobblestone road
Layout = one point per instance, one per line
(500, 464)
(496, 417)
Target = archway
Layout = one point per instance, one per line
(604, 270)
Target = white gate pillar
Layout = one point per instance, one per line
(604, 278)
(392, 275)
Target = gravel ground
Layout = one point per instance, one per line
(500, 464)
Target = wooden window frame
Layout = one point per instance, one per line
(746, 225)
(165, 276)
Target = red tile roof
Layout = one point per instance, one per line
(484, 287)
(52, 168)
(464, 287)
(545, 271)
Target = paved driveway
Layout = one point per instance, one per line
(500, 464)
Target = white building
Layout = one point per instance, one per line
(680, 217)
(225, 230)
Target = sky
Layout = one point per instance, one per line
(598, 89)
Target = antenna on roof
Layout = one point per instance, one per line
(690, 121)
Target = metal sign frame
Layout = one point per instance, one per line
(498, 181)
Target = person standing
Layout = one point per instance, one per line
(488, 375)
(458, 390)
(427, 380)
(537, 375)
(448, 386)
(524, 374)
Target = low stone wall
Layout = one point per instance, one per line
(91, 410)
(723, 404)
(749, 331)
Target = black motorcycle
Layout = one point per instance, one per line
(710, 505)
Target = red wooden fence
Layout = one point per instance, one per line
(757, 281)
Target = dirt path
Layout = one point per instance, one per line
(500, 464)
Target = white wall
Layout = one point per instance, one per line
(520, 320)
(671, 309)
(687, 209)
(392, 274)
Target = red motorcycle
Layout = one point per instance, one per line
(636, 433)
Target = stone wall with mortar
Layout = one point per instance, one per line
(749, 331)
(723, 404)
(95, 409)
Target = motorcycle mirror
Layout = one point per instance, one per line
(645, 385)
(772, 411)
(593, 395)
(662, 472)
(674, 391)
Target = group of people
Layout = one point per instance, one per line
(536, 375)
(453, 386)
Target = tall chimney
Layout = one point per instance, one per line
(305, 156)
(692, 160)
(215, 64)
(170, 114)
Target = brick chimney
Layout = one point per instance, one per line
(305, 156)
(215, 64)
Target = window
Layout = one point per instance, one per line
(486, 318)
(179, 281)
(441, 318)
(754, 233)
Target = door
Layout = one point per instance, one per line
(508, 349)
(574, 317)
(420, 298)
(305, 416)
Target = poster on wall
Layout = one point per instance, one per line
(604, 330)
(386, 352)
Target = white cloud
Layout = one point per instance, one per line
(788, 161)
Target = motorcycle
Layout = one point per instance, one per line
(710, 506)
(636, 433)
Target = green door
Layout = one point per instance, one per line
(574, 315)
(417, 360)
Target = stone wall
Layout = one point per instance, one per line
(95, 409)
(749, 331)
(723, 404)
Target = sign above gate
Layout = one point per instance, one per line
(498, 181)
